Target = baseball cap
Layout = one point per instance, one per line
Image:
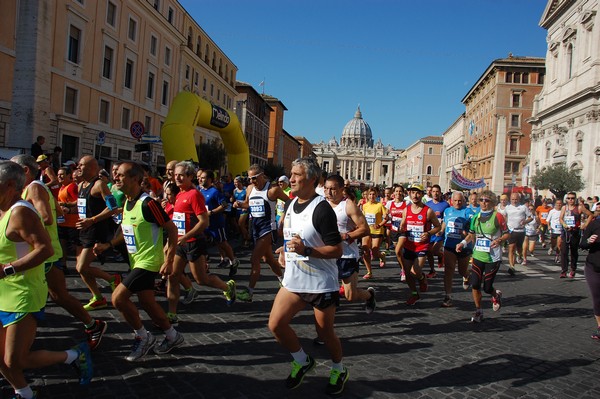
(415, 187)
(41, 158)
(69, 163)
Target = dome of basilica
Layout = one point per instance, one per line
(357, 132)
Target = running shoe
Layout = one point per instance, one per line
(557, 259)
(524, 263)
(423, 286)
(190, 296)
(447, 303)
(368, 276)
(402, 276)
(382, 263)
(337, 379)
(466, 284)
(432, 274)
(563, 275)
(95, 304)
(342, 291)
(140, 347)
(550, 251)
(477, 317)
(544, 246)
(233, 267)
(371, 302)
(596, 335)
(298, 372)
(511, 270)
(95, 334)
(244, 295)
(412, 299)
(173, 318)
(497, 301)
(167, 345)
(223, 263)
(83, 363)
(318, 342)
(519, 259)
(572, 274)
(230, 293)
(115, 282)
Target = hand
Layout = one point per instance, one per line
(83, 224)
(459, 247)
(592, 238)
(424, 237)
(281, 257)
(100, 247)
(167, 268)
(295, 245)
(495, 243)
(181, 240)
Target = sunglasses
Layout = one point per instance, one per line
(485, 200)
(571, 198)
(254, 177)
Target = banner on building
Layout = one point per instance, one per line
(465, 183)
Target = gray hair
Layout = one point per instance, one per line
(28, 161)
(311, 167)
(188, 167)
(458, 194)
(256, 168)
(12, 171)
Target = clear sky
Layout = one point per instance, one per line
(408, 64)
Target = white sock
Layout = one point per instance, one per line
(142, 333)
(72, 355)
(171, 333)
(337, 366)
(25, 393)
(300, 357)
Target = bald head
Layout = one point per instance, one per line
(89, 168)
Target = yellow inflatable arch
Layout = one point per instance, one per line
(187, 112)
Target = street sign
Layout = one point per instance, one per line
(137, 130)
(151, 139)
(101, 137)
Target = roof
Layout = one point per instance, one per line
(271, 99)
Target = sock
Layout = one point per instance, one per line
(142, 333)
(72, 355)
(337, 366)
(25, 393)
(171, 333)
(91, 325)
(300, 357)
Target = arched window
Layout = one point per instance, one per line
(198, 47)
(429, 170)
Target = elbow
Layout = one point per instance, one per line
(338, 251)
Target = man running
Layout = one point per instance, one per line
(517, 216)
(438, 205)
(542, 212)
(570, 219)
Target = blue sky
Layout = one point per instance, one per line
(407, 63)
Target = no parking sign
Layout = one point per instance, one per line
(137, 130)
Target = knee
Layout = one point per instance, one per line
(118, 300)
(276, 327)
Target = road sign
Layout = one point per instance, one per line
(137, 130)
(101, 137)
(151, 139)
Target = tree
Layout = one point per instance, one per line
(211, 155)
(558, 179)
(274, 171)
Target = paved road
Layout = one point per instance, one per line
(537, 346)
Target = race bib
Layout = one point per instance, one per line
(570, 221)
(415, 232)
(544, 215)
(483, 244)
(129, 238)
(81, 207)
(179, 220)
(371, 218)
(257, 207)
(288, 234)
(396, 221)
(453, 227)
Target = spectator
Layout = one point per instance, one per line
(36, 148)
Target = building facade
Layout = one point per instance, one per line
(357, 158)
(423, 161)
(566, 117)
(497, 136)
(453, 151)
(276, 134)
(306, 147)
(254, 114)
(81, 72)
(291, 149)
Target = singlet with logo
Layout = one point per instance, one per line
(308, 274)
(188, 204)
(457, 222)
(572, 217)
(531, 227)
(553, 221)
(89, 206)
(68, 194)
(542, 212)
(262, 209)
(346, 225)
(486, 232)
(416, 225)
(374, 214)
(53, 228)
(438, 208)
(213, 198)
(25, 291)
(515, 215)
(395, 211)
(240, 196)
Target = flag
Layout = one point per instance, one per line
(262, 83)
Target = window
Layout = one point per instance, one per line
(167, 56)
(511, 167)
(579, 138)
(124, 155)
(111, 13)
(204, 85)
(71, 100)
(74, 43)
(513, 147)
(196, 78)
(156, 5)
(430, 150)
(516, 100)
(514, 120)
(569, 61)
(517, 78)
(170, 15)
(429, 170)
(125, 118)
(104, 112)
(129, 74)
(102, 151)
(132, 30)
(107, 65)
(187, 72)
(509, 77)
(70, 147)
(218, 94)
(148, 124)
(541, 78)
(153, 42)
(198, 47)
(385, 170)
(212, 90)
(150, 88)
(525, 77)
(165, 93)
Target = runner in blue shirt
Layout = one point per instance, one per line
(438, 205)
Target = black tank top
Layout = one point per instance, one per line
(99, 231)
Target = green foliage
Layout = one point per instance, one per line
(211, 155)
(558, 179)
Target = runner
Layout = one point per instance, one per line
(24, 246)
(531, 234)
(284, 183)
(376, 213)
(239, 195)
(517, 216)
(438, 205)
(590, 241)
(542, 214)
(67, 200)
(307, 248)
(395, 212)
(556, 230)
(142, 233)
(488, 230)
(570, 219)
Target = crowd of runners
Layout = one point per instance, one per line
(312, 229)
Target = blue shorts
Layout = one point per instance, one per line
(347, 267)
(218, 234)
(263, 233)
(9, 318)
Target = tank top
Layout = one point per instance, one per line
(262, 209)
(89, 206)
(485, 233)
(306, 274)
(395, 211)
(374, 215)
(142, 238)
(63, 196)
(53, 228)
(572, 217)
(25, 291)
(416, 224)
(346, 225)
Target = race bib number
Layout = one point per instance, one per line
(81, 207)
(570, 221)
(483, 245)
(454, 228)
(288, 234)
(371, 218)
(129, 238)
(544, 215)
(415, 232)
(179, 220)
(396, 221)
(257, 208)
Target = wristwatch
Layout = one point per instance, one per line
(9, 270)
(307, 251)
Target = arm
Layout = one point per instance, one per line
(436, 225)
(53, 179)
(276, 193)
(39, 198)
(100, 189)
(246, 203)
(362, 228)
(171, 230)
(589, 215)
